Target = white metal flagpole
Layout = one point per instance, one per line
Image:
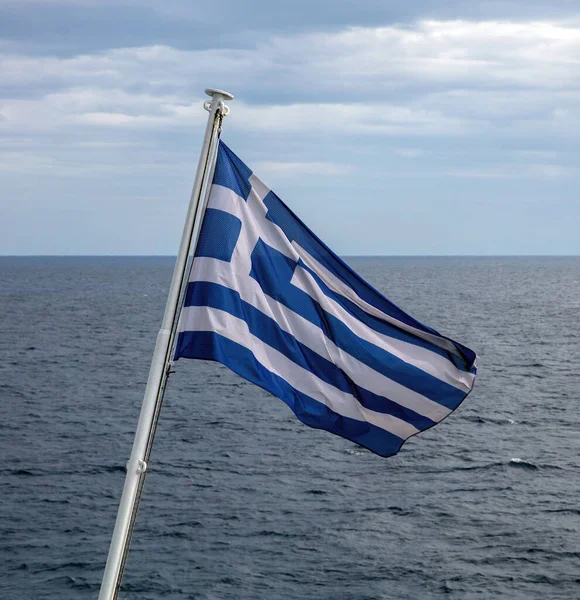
(161, 362)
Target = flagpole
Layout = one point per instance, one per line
(161, 361)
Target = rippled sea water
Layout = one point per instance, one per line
(244, 502)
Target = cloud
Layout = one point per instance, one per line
(431, 79)
(77, 26)
(120, 109)
(483, 54)
(434, 78)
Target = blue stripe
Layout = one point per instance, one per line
(273, 272)
(202, 293)
(231, 172)
(212, 346)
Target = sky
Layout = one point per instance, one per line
(391, 128)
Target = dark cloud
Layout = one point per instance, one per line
(70, 28)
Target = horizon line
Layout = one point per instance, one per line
(341, 255)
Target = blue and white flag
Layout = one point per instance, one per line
(272, 302)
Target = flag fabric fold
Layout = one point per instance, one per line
(272, 302)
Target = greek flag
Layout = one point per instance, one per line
(272, 302)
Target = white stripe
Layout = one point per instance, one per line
(258, 188)
(203, 318)
(216, 271)
(436, 365)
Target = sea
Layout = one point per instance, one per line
(242, 501)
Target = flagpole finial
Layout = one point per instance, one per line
(214, 92)
(217, 102)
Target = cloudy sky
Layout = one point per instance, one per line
(424, 127)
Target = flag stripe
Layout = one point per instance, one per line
(212, 346)
(273, 272)
(205, 318)
(268, 331)
(307, 333)
(436, 362)
(377, 319)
